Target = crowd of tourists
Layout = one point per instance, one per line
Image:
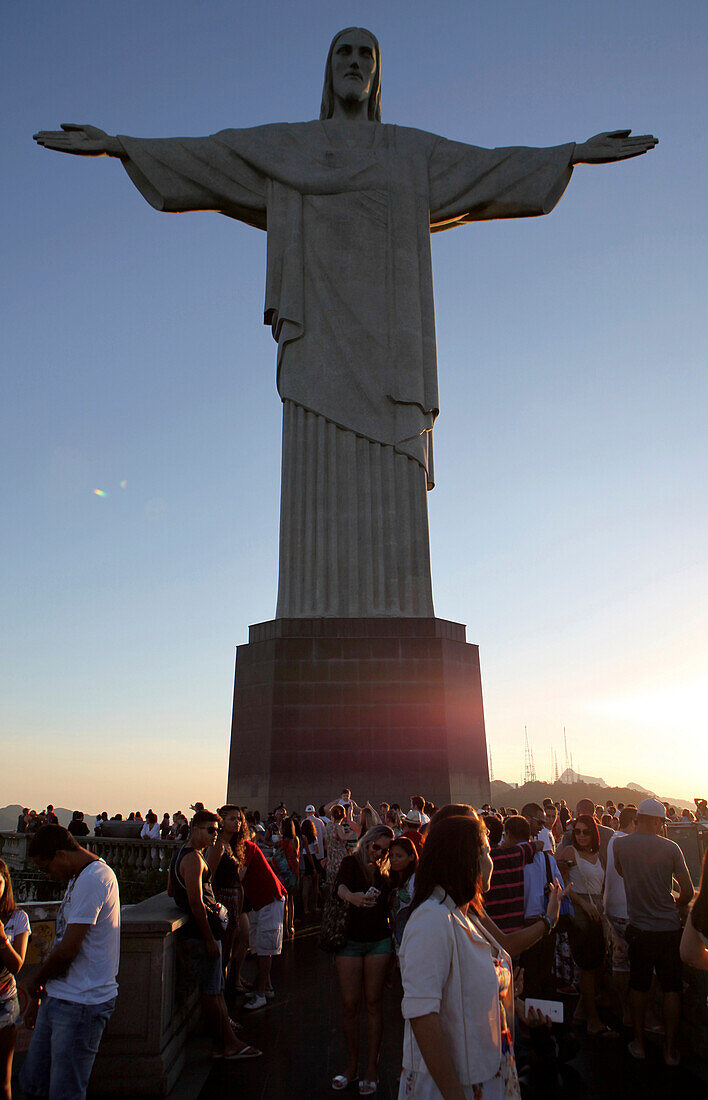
(149, 827)
(505, 931)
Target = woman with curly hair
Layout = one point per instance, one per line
(14, 935)
(225, 857)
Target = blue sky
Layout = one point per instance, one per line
(568, 524)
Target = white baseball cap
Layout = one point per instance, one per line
(651, 807)
(309, 809)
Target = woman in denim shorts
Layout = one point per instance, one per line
(364, 960)
(14, 934)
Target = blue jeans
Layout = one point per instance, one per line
(63, 1048)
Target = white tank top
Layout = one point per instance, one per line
(587, 878)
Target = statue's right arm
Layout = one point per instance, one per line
(81, 140)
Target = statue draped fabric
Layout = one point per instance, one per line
(349, 295)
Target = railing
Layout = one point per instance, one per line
(13, 849)
(140, 865)
(129, 857)
(132, 858)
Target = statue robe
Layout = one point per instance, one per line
(349, 209)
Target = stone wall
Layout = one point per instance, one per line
(146, 1039)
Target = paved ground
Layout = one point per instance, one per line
(303, 1050)
(300, 1037)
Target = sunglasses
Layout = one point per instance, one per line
(211, 829)
(582, 832)
(377, 848)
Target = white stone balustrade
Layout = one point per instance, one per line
(129, 858)
(132, 858)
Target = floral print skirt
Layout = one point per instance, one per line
(419, 1085)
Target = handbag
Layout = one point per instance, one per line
(218, 919)
(335, 923)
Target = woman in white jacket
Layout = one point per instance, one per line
(457, 980)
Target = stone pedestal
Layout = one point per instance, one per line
(144, 1047)
(388, 707)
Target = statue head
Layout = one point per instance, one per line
(374, 92)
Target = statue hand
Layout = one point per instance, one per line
(83, 141)
(613, 145)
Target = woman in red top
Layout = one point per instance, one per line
(266, 894)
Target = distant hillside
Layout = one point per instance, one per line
(505, 794)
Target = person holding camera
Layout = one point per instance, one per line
(363, 961)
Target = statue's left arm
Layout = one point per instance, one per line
(468, 183)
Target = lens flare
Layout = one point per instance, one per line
(124, 484)
(100, 492)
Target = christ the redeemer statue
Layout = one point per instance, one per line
(349, 204)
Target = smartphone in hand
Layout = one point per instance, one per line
(552, 1009)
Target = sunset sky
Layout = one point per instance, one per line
(569, 526)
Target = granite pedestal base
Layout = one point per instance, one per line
(387, 707)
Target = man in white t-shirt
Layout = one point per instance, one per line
(77, 983)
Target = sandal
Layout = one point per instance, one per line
(245, 1052)
(368, 1088)
(604, 1032)
(340, 1082)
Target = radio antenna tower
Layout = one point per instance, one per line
(565, 746)
(529, 767)
(555, 765)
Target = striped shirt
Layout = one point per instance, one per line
(504, 900)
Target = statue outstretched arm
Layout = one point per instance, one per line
(613, 145)
(82, 140)
(177, 174)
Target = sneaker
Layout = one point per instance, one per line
(254, 1003)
